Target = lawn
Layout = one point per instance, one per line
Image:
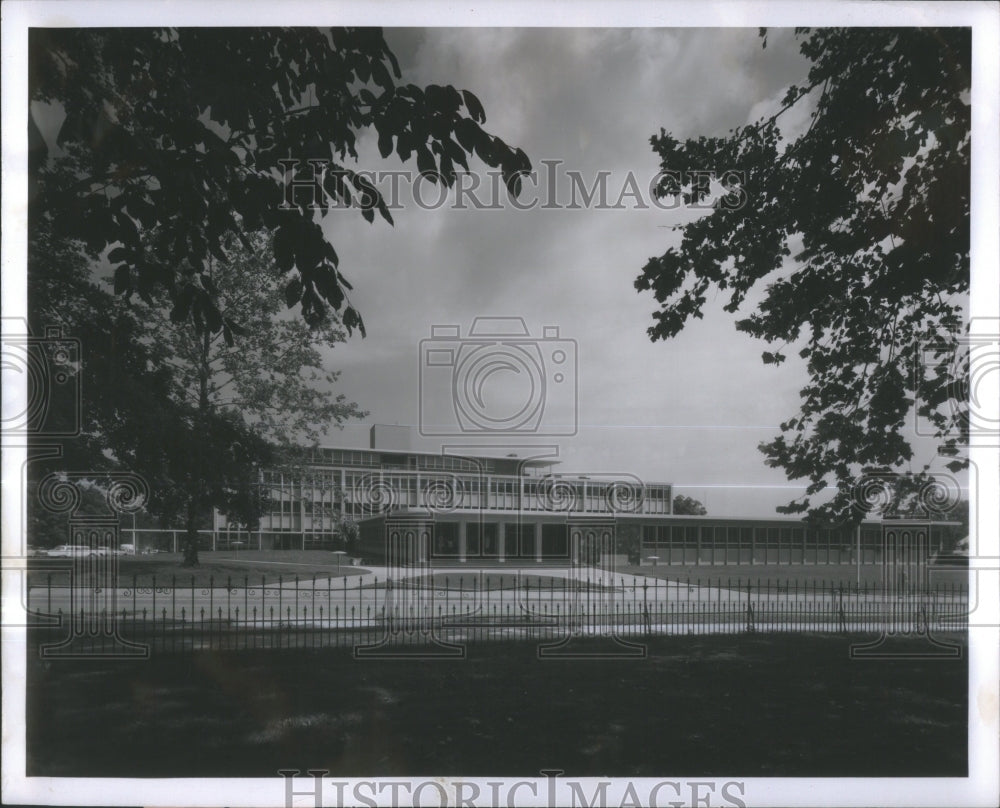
(764, 705)
(215, 568)
(788, 574)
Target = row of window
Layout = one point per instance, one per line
(407, 462)
(364, 494)
(654, 536)
(484, 541)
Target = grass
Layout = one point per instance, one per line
(763, 705)
(214, 567)
(788, 574)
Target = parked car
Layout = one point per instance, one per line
(956, 558)
(76, 551)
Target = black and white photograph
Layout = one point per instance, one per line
(580, 404)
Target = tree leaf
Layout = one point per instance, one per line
(474, 106)
(293, 292)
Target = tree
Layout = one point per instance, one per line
(687, 506)
(173, 144)
(874, 197)
(195, 414)
(628, 541)
(120, 403)
(121, 383)
(46, 529)
(257, 399)
(350, 533)
(171, 151)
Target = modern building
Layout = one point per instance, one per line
(415, 507)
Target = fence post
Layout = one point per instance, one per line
(645, 608)
(840, 610)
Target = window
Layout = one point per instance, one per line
(491, 544)
(472, 547)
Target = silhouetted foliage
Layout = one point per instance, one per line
(873, 200)
(173, 139)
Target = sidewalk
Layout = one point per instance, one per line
(379, 574)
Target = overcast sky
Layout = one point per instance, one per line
(691, 410)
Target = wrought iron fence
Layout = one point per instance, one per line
(401, 612)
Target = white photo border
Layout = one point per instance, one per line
(980, 788)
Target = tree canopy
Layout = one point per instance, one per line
(194, 414)
(873, 197)
(687, 506)
(170, 170)
(252, 402)
(173, 139)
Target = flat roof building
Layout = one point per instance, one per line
(442, 509)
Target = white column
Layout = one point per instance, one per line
(461, 541)
(538, 542)
(502, 541)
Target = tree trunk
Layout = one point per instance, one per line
(191, 536)
(194, 501)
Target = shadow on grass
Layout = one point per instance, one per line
(765, 705)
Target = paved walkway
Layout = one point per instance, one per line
(379, 574)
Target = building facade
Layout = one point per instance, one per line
(423, 508)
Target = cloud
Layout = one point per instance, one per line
(691, 409)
